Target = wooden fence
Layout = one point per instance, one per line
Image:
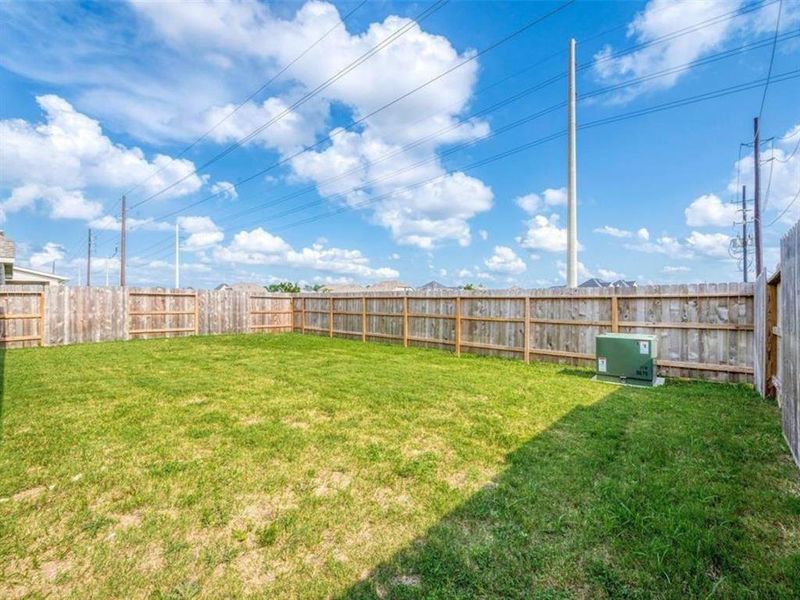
(58, 315)
(705, 331)
(788, 333)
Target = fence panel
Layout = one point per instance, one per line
(706, 331)
(790, 339)
(22, 317)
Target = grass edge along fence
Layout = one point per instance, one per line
(705, 330)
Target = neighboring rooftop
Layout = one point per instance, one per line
(390, 285)
(435, 285)
(595, 282)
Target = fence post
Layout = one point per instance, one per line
(330, 316)
(302, 315)
(41, 318)
(196, 312)
(458, 325)
(363, 318)
(527, 329)
(405, 321)
(614, 312)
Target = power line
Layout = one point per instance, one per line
(683, 31)
(589, 125)
(397, 34)
(785, 210)
(771, 60)
(503, 129)
(670, 105)
(669, 36)
(523, 120)
(236, 109)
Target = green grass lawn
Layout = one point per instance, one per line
(294, 466)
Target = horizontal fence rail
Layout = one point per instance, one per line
(705, 331)
(22, 314)
(73, 315)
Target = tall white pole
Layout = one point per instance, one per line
(572, 177)
(177, 256)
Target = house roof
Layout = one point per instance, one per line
(594, 282)
(33, 274)
(435, 285)
(391, 284)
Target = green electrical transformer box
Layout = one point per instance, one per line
(626, 358)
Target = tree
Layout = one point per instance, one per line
(469, 287)
(286, 287)
(317, 287)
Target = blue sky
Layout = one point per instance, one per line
(104, 99)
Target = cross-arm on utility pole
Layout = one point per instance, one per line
(572, 178)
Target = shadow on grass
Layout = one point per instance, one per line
(630, 497)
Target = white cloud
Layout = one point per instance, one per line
(225, 189)
(714, 245)
(505, 260)
(258, 241)
(109, 223)
(609, 274)
(545, 234)
(643, 234)
(660, 18)
(50, 252)
(663, 17)
(664, 244)
(60, 203)
(418, 215)
(211, 54)
(583, 272)
(709, 210)
(676, 269)
(424, 215)
(55, 161)
(483, 234)
(555, 196)
(203, 232)
(613, 231)
(259, 247)
(530, 203)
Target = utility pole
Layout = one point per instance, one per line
(108, 262)
(572, 183)
(757, 198)
(122, 232)
(744, 232)
(89, 260)
(177, 256)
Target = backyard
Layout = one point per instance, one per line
(300, 466)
